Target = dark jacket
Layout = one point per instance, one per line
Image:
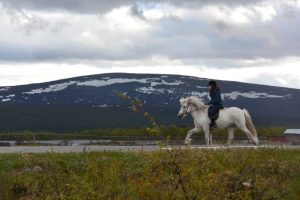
(215, 96)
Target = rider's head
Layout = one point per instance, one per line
(212, 85)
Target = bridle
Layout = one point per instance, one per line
(186, 113)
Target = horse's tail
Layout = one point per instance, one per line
(249, 123)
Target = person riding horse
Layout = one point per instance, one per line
(215, 103)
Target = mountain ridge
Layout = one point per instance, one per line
(124, 73)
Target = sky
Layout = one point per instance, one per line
(254, 41)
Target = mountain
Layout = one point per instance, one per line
(90, 102)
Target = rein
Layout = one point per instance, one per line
(191, 111)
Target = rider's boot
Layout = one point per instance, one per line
(212, 124)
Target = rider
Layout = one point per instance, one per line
(215, 103)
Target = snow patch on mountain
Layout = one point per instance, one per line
(192, 78)
(7, 98)
(198, 94)
(151, 90)
(101, 83)
(166, 83)
(252, 95)
(102, 106)
(235, 95)
(4, 89)
(152, 81)
(201, 87)
(105, 81)
(51, 88)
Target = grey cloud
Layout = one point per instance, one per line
(198, 3)
(202, 40)
(173, 40)
(102, 6)
(33, 23)
(137, 12)
(190, 40)
(82, 6)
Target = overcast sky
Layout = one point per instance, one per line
(253, 41)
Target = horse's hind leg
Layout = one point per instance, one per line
(230, 134)
(242, 125)
(249, 134)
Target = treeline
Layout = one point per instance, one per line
(170, 132)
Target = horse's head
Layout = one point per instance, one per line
(184, 110)
(189, 105)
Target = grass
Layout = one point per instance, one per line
(185, 174)
(118, 133)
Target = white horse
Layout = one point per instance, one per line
(228, 118)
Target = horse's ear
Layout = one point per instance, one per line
(182, 100)
(188, 100)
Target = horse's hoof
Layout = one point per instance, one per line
(256, 142)
(188, 141)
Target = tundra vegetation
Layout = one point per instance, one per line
(176, 174)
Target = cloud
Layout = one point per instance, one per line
(103, 6)
(262, 72)
(139, 31)
(214, 35)
(77, 6)
(20, 74)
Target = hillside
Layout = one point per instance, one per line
(90, 102)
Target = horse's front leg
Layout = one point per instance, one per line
(230, 135)
(188, 139)
(206, 133)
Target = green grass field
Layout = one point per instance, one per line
(185, 174)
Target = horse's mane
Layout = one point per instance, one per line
(193, 100)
